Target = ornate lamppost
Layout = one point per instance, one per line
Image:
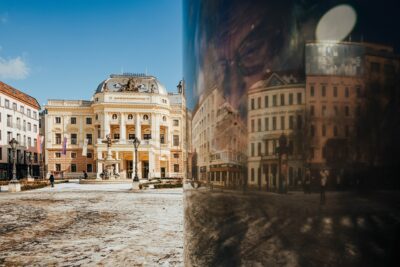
(14, 185)
(136, 143)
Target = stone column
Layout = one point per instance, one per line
(152, 163)
(99, 165)
(117, 164)
(138, 129)
(122, 128)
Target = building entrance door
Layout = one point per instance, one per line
(162, 172)
(145, 170)
(129, 169)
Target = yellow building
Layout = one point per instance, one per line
(123, 107)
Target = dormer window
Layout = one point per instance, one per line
(145, 117)
(130, 117)
(114, 116)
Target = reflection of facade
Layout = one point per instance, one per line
(276, 105)
(218, 141)
(19, 119)
(124, 107)
(336, 99)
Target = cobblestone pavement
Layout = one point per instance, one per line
(267, 229)
(91, 225)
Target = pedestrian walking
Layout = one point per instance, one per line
(51, 180)
(324, 179)
(85, 175)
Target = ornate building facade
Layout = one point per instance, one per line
(276, 106)
(19, 119)
(218, 142)
(123, 107)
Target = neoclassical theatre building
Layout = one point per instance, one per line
(123, 106)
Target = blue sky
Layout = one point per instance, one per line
(63, 49)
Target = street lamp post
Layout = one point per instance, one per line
(14, 185)
(136, 143)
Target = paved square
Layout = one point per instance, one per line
(91, 225)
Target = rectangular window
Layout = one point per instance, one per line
(266, 101)
(252, 174)
(35, 128)
(15, 106)
(58, 167)
(347, 111)
(88, 120)
(34, 115)
(252, 149)
(282, 99)
(176, 122)
(145, 136)
(57, 155)
(162, 138)
(73, 167)
(58, 138)
(7, 103)
(89, 168)
(259, 125)
(28, 112)
(29, 126)
(323, 111)
(259, 102)
(176, 156)
(89, 137)
(58, 120)
(9, 121)
(176, 167)
(299, 99)
(323, 91)
(291, 122)
(116, 136)
(266, 122)
(176, 140)
(73, 120)
(274, 101)
(9, 136)
(312, 90)
(73, 155)
(252, 126)
(273, 123)
(74, 139)
(335, 91)
(299, 122)
(290, 99)
(89, 155)
(252, 104)
(259, 149)
(282, 122)
(29, 142)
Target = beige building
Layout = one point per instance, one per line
(218, 141)
(276, 106)
(123, 107)
(344, 83)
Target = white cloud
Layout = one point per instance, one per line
(14, 68)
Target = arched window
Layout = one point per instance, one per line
(164, 118)
(114, 116)
(145, 117)
(130, 117)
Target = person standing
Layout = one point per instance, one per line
(85, 175)
(324, 178)
(51, 179)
